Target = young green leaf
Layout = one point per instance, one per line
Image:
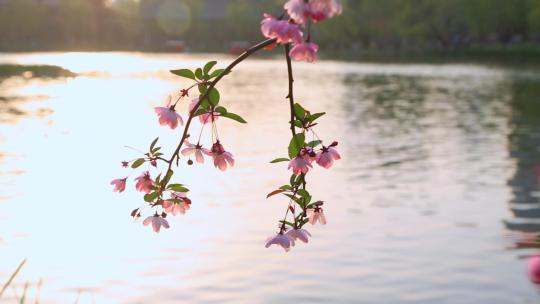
(167, 177)
(184, 73)
(234, 117)
(178, 188)
(154, 142)
(150, 197)
(208, 66)
(137, 163)
(299, 111)
(278, 160)
(216, 73)
(312, 117)
(296, 143)
(220, 110)
(202, 88)
(213, 96)
(199, 73)
(275, 192)
(314, 143)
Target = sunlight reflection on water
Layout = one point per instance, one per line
(415, 207)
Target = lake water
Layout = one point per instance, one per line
(434, 201)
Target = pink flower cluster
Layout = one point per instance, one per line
(155, 189)
(317, 10)
(287, 238)
(325, 158)
(290, 31)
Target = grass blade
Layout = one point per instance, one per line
(13, 275)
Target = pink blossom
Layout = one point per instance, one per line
(174, 207)
(533, 268)
(308, 153)
(299, 165)
(281, 240)
(221, 157)
(284, 31)
(324, 9)
(316, 215)
(205, 117)
(304, 51)
(327, 156)
(119, 184)
(144, 182)
(298, 10)
(298, 234)
(317, 10)
(168, 116)
(157, 222)
(197, 149)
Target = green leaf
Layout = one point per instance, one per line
(297, 142)
(199, 73)
(184, 73)
(314, 143)
(234, 117)
(278, 160)
(286, 187)
(216, 73)
(299, 111)
(137, 163)
(153, 143)
(208, 66)
(213, 96)
(202, 87)
(199, 112)
(178, 188)
(150, 197)
(312, 117)
(278, 191)
(221, 110)
(167, 177)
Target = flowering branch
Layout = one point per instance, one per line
(301, 153)
(204, 96)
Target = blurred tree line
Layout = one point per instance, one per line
(213, 25)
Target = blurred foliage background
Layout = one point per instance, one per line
(366, 28)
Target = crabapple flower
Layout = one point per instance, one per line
(533, 268)
(308, 153)
(298, 234)
(316, 215)
(197, 149)
(144, 181)
(317, 10)
(284, 31)
(205, 117)
(119, 184)
(281, 240)
(221, 157)
(175, 208)
(327, 156)
(304, 51)
(168, 116)
(299, 165)
(157, 222)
